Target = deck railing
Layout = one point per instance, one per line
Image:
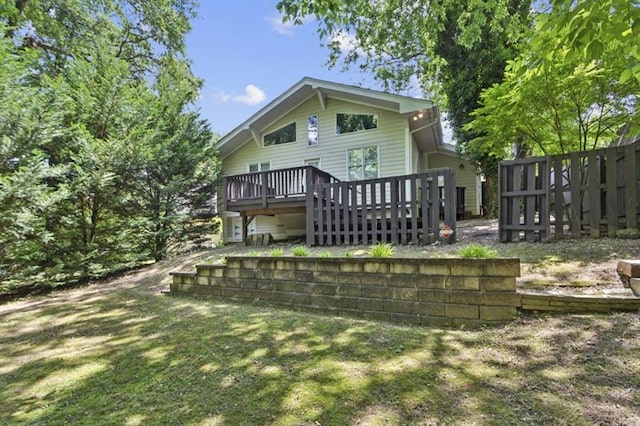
(398, 209)
(259, 188)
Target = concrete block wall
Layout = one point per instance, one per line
(417, 291)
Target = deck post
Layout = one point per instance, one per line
(309, 190)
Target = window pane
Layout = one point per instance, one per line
(355, 157)
(253, 168)
(265, 166)
(312, 130)
(355, 173)
(315, 162)
(371, 171)
(284, 134)
(371, 154)
(348, 123)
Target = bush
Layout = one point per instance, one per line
(475, 251)
(277, 252)
(325, 254)
(381, 250)
(300, 251)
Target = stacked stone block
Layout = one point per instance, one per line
(417, 291)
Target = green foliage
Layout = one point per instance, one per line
(456, 49)
(477, 251)
(348, 253)
(103, 161)
(325, 254)
(276, 252)
(628, 234)
(300, 251)
(381, 250)
(555, 99)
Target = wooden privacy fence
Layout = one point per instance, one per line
(399, 209)
(591, 193)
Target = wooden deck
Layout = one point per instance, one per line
(400, 209)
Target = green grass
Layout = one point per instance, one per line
(117, 353)
(300, 251)
(381, 250)
(475, 251)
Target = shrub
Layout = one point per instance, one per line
(348, 253)
(475, 251)
(325, 254)
(381, 250)
(277, 252)
(253, 253)
(300, 251)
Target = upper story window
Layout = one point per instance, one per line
(312, 130)
(284, 134)
(349, 123)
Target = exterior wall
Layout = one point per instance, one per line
(466, 177)
(280, 226)
(332, 148)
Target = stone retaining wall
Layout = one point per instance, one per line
(418, 291)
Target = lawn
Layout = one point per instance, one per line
(121, 352)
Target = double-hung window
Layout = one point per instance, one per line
(363, 163)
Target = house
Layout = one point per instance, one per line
(320, 132)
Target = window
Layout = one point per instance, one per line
(349, 123)
(284, 134)
(260, 167)
(315, 162)
(363, 163)
(312, 130)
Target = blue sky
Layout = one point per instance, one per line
(247, 57)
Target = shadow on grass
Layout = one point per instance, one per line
(135, 357)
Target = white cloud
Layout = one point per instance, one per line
(346, 41)
(221, 96)
(284, 28)
(253, 95)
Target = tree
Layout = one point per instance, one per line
(455, 48)
(102, 156)
(573, 90)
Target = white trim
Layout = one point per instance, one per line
(408, 150)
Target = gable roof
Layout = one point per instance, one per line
(427, 130)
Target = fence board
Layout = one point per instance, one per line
(631, 186)
(612, 190)
(558, 196)
(593, 195)
(594, 190)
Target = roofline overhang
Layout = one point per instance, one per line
(323, 90)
